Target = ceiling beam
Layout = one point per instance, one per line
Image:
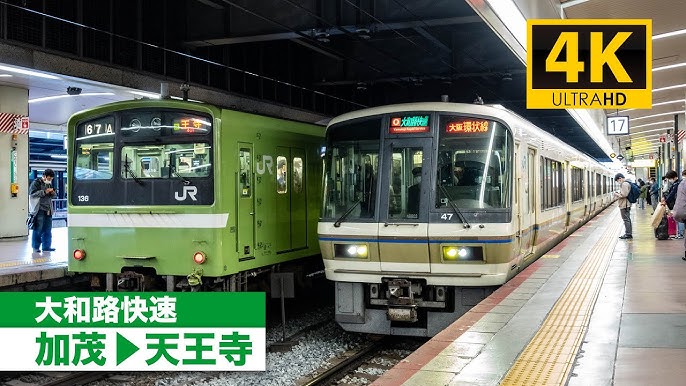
(333, 31)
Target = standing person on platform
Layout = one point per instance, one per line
(680, 208)
(624, 204)
(41, 189)
(644, 194)
(670, 199)
(654, 193)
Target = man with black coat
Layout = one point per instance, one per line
(41, 189)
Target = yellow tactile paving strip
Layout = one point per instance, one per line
(17, 263)
(549, 357)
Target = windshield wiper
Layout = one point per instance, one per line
(185, 181)
(465, 223)
(128, 170)
(347, 212)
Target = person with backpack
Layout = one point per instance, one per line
(623, 195)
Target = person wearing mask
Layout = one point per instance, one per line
(41, 190)
(670, 199)
(624, 205)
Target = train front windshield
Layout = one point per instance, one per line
(474, 167)
(351, 169)
(143, 157)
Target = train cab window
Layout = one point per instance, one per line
(94, 161)
(351, 166)
(281, 175)
(297, 174)
(245, 172)
(166, 161)
(474, 164)
(94, 149)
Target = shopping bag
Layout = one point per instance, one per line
(657, 215)
(30, 221)
(671, 226)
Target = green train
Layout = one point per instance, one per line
(174, 195)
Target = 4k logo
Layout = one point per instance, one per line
(592, 63)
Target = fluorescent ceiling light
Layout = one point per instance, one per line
(650, 124)
(669, 87)
(652, 131)
(669, 67)
(669, 34)
(658, 115)
(512, 18)
(657, 104)
(5, 76)
(27, 72)
(146, 94)
(54, 97)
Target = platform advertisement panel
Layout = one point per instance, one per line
(133, 331)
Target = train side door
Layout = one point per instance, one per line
(298, 199)
(246, 202)
(527, 203)
(283, 200)
(405, 185)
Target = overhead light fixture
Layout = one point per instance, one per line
(322, 36)
(363, 33)
(144, 94)
(669, 67)
(27, 72)
(5, 76)
(657, 115)
(669, 87)
(512, 18)
(669, 34)
(657, 104)
(651, 124)
(50, 98)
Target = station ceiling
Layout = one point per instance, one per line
(324, 56)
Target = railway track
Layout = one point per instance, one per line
(366, 364)
(78, 378)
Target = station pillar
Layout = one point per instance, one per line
(14, 161)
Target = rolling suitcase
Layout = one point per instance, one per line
(671, 226)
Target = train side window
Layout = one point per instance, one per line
(281, 175)
(297, 174)
(245, 157)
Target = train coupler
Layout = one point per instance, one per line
(131, 281)
(401, 303)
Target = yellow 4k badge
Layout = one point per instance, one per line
(589, 64)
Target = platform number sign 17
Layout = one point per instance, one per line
(617, 125)
(589, 63)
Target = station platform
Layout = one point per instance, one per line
(595, 310)
(22, 269)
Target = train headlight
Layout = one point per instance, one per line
(79, 254)
(199, 257)
(461, 253)
(359, 251)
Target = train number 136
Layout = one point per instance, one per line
(82, 198)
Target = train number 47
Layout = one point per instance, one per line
(599, 56)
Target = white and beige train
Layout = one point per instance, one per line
(428, 207)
